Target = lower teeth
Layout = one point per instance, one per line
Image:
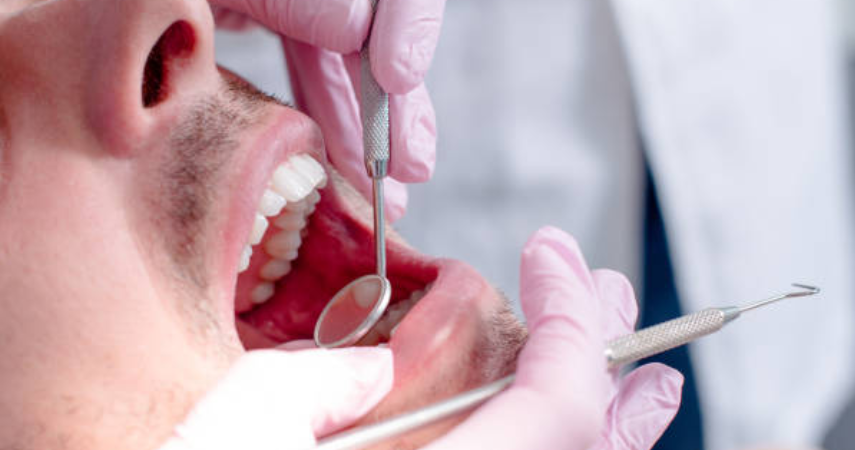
(388, 324)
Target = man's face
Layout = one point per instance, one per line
(134, 174)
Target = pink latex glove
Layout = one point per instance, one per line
(321, 40)
(563, 391)
(275, 399)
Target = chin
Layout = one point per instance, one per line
(310, 235)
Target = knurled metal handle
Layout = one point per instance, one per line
(374, 111)
(664, 336)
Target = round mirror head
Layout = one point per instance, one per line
(353, 311)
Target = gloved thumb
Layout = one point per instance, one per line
(274, 399)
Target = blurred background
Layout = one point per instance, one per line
(704, 149)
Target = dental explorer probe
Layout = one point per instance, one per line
(621, 351)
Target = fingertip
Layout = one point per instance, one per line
(227, 19)
(374, 372)
(662, 384)
(415, 170)
(370, 364)
(413, 126)
(553, 237)
(535, 259)
(620, 308)
(353, 381)
(560, 306)
(674, 381)
(648, 400)
(396, 198)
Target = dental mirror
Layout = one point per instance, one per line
(353, 311)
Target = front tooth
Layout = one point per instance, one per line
(283, 245)
(258, 229)
(262, 293)
(245, 254)
(298, 177)
(289, 183)
(274, 269)
(271, 203)
(310, 168)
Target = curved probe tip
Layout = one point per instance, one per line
(805, 290)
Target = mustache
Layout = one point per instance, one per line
(202, 145)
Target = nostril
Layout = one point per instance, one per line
(176, 44)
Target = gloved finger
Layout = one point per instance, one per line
(337, 25)
(619, 312)
(620, 309)
(412, 129)
(560, 369)
(273, 396)
(560, 303)
(396, 199)
(413, 136)
(648, 400)
(403, 42)
(230, 20)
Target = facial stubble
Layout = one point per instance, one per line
(192, 178)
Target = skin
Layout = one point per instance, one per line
(124, 204)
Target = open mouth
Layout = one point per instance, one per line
(448, 329)
(311, 237)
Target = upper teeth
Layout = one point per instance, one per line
(271, 203)
(296, 179)
(293, 188)
(258, 228)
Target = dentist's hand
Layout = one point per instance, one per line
(563, 396)
(321, 39)
(275, 399)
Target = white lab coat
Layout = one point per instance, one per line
(740, 104)
(542, 106)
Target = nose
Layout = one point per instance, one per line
(149, 57)
(116, 68)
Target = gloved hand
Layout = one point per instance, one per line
(562, 391)
(274, 399)
(321, 39)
